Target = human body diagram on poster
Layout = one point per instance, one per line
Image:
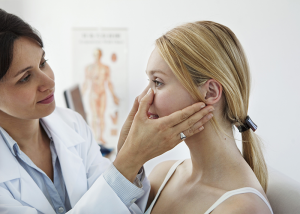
(97, 75)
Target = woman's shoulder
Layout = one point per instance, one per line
(246, 203)
(157, 176)
(160, 171)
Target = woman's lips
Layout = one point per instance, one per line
(48, 99)
(152, 116)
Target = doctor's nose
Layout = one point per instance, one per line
(143, 93)
(46, 82)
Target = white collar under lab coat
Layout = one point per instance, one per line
(65, 139)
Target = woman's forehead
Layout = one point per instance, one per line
(157, 64)
(26, 53)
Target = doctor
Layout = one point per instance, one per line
(49, 160)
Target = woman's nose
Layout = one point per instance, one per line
(143, 93)
(47, 82)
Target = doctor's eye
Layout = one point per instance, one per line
(43, 64)
(26, 79)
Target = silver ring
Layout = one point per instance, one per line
(182, 136)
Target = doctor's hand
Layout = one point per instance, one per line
(146, 138)
(126, 127)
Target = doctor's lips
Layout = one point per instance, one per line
(152, 116)
(48, 99)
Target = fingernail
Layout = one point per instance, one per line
(210, 110)
(210, 116)
(202, 106)
(201, 128)
(149, 91)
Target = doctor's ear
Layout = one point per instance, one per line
(211, 91)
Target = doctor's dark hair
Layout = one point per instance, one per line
(11, 28)
(203, 50)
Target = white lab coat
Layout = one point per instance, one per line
(82, 166)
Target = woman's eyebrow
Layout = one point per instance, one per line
(29, 67)
(152, 72)
(23, 70)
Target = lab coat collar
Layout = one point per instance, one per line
(58, 127)
(64, 134)
(8, 140)
(32, 195)
(65, 139)
(11, 169)
(8, 163)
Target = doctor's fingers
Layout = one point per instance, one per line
(127, 125)
(134, 108)
(198, 127)
(194, 123)
(181, 115)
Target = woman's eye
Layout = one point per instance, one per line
(43, 64)
(25, 79)
(157, 83)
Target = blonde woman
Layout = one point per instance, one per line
(204, 61)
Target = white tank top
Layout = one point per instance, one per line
(219, 201)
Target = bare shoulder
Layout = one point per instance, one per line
(159, 173)
(156, 178)
(247, 203)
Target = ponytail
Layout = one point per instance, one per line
(253, 155)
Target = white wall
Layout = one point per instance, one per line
(269, 30)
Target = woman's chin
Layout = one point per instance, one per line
(47, 110)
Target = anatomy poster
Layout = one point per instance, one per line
(100, 69)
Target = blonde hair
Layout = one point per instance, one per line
(199, 51)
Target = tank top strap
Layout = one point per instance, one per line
(236, 192)
(168, 176)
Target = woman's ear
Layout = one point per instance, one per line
(211, 91)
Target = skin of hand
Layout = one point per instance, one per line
(126, 126)
(142, 139)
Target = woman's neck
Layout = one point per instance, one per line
(213, 154)
(27, 133)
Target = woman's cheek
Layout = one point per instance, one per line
(168, 102)
(24, 98)
(164, 104)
